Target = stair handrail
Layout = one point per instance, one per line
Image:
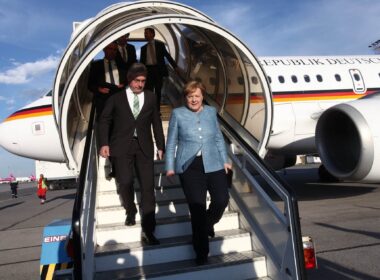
(282, 189)
(77, 215)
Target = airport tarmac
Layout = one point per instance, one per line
(22, 221)
(344, 221)
(342, 218)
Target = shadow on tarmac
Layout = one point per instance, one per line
(11, 205)
(66, 196)
(330, 270)
(361, 232)
(305, 182)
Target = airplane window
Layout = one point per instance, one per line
(270, 79)
(281, 79)
(294, 79)
(356, 77)
(319, 78)
(338, 78)
(306, 78)
(240, 80)
(254, 80)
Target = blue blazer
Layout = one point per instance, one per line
(191, 132)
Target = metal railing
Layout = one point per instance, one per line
(268, 208)
(82, 226)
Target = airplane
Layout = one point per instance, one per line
(323, 105)
(32, 178)
(8, 179)
(24, 179)
(302, 88)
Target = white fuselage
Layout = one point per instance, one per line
(302, 88)
(31, 132)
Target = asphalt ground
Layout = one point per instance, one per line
(22, 221)
(342, 218)
(344, 222)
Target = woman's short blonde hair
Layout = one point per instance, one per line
(192, 86)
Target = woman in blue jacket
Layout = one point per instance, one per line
(196, 151)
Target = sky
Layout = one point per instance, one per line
(34, 34)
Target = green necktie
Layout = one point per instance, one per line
(136, 106)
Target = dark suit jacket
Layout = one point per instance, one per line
(118, 115)
(161, 53)
(131, 55)
(97, 77)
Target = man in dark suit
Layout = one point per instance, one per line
(153, 55)
(132, 113)
(127, 52)
(106, 77)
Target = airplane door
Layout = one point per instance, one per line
(357, 80)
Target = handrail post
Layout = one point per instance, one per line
(75, 220)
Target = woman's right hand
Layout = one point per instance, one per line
(227, 166)
(170, 173)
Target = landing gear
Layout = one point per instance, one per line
(325, 176)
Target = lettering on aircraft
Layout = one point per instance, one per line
(54, 238)
(319, 61)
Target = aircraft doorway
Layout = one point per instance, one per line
(203, 51)
(357, 81)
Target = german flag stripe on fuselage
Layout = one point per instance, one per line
(296, 96)
(319, 95)
(43, 110)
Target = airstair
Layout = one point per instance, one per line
(258, 236)
(120, 254)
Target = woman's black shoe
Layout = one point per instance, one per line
(149, 239)
(201, 260)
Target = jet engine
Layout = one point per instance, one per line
(347, 139)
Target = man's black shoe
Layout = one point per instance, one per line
(149, 239)
(130, 220)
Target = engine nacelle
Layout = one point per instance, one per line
(347, 139)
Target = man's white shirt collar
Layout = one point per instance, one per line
(131, 96)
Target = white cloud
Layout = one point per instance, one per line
(26, 72)
(10, 101)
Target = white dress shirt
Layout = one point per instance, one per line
(151, 49)
(131, 96)
(115, 71)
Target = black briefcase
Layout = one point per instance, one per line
(229, 175)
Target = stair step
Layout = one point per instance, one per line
(164, 209)
(133, 254)
(104, 184)
(235, 265)
(109, 184)
(166, 227)
(112, 198)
